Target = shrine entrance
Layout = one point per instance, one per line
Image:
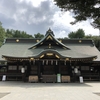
(47, 67)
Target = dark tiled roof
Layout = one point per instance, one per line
(77, 41)
(73, 48)
(14, 40)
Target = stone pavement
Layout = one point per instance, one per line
(10, 90)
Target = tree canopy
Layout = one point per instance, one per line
(2, 34)
(78, 34)
(38, 35)
(21, 34)
(10, 33)
(82, 9)
(17, 34)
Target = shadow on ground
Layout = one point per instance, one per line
(38, 85)
(3, 94)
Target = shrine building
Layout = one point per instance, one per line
(47, 59)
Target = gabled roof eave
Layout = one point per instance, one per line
(46, 36)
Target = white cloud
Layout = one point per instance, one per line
(35, 16)
(62, 34)
(62, 22)
(35, 3)
(85, 25)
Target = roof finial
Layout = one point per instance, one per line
(49, 29)
(49, 32)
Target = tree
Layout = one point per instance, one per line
(82, 9)
(96, 24)
(9, 33)
(2, 34)
(88, 36)
(25, 35)
(38, 35)
(17, 34)
(71, 35)
(78, 34)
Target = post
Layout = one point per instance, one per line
(99, 31)
(75, 71)
(70, 69)
(23, 72)
(39, 74)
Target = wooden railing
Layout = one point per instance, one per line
(49, 78)
(65, 78)
(11, 76)
(91, 76)
(33, 79)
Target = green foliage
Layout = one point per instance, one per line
(78, 34)
(88, 36)
(96, 24)
(9, 33)
(71, 35)
(2, 34)
(82, 9)
(21, 34)
(38, 35)
(65, 37)
(17, 34)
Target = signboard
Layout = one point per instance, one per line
(58, 77)
(4, 78)
(81, 79)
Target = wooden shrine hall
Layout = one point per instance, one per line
(49, 59)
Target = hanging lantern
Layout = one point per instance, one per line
(65, 62)
(76, 70)
(56, 62)
(47, 62)
(30, 60)
(43, 62)
(70, 62)
(22, 70)
(34, 62)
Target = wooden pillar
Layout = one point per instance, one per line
(17, 67)
(99, 71)
(59, 64)
(7, 68)
(59, 67)
(23, 72)
(70, 69)
(75, 77)
(39, 73)
(56, 67)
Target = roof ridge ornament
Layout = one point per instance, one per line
(50, 37)
(49, 32)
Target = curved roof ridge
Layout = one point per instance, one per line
(49, 51)
(49, 35)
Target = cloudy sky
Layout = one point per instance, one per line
(37, 16)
